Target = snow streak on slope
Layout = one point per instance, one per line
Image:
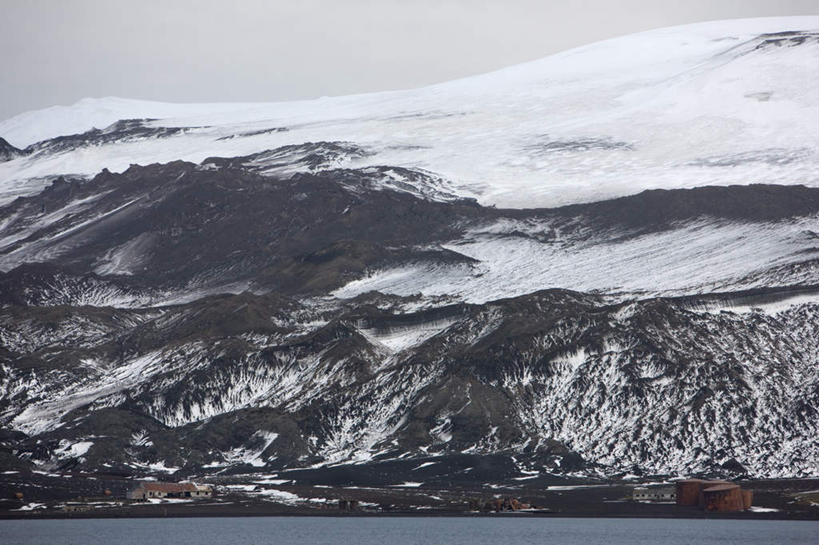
(694, 257)
(707, 104)
(646, 383)
(107, 379)
(704, 382)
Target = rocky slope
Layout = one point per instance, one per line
(118, 352)
(269, 288)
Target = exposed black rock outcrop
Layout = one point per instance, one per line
(9, 152)
(181, 316)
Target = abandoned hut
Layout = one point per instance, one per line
(655, 493)
(157, 490)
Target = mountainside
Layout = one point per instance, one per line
(603, 263)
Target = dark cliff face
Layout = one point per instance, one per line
(179, 224)
(657, 208)
(9, 152)
(182, 316)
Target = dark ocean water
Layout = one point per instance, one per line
(405, 531)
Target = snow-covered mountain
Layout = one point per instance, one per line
(728, 102)
(601, 262)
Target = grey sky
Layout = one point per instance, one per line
(58, 51)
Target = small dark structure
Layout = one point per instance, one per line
(720, 496)
(347, 505)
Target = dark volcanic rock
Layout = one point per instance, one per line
(9, 152)
(180, 317)
(178, 224)
(124, 130)
(313, 156)
(555, 379)
(658, 208)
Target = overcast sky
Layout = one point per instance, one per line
(59, 51)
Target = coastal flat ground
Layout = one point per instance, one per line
(55, 495)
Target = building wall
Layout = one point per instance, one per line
(747, 499)
(688, 491)
(141, 493)
(666, 493)
(136, 494)
(713, 495)
(724, 499)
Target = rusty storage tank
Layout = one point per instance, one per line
(747, 499)
(708, 484)
(723, 498)
(688, 491)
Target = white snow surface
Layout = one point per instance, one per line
(697, 256)
(252, 455)
(402, 338)
(68, 450)
(704, 104)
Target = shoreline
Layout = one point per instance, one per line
(233, 511)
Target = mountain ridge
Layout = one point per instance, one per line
(666, 108)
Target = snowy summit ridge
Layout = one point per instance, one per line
(714, 103)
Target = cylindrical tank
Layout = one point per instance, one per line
(747, 499)
(707, 484)
(688, 491)
(723, 498)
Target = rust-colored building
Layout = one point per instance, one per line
(721, 496)
(688, 491)
(747, 499)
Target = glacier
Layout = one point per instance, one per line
(718, 103)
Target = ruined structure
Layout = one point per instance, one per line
(721, 496)
(158, 490)
(498, 505)
(654, 493)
